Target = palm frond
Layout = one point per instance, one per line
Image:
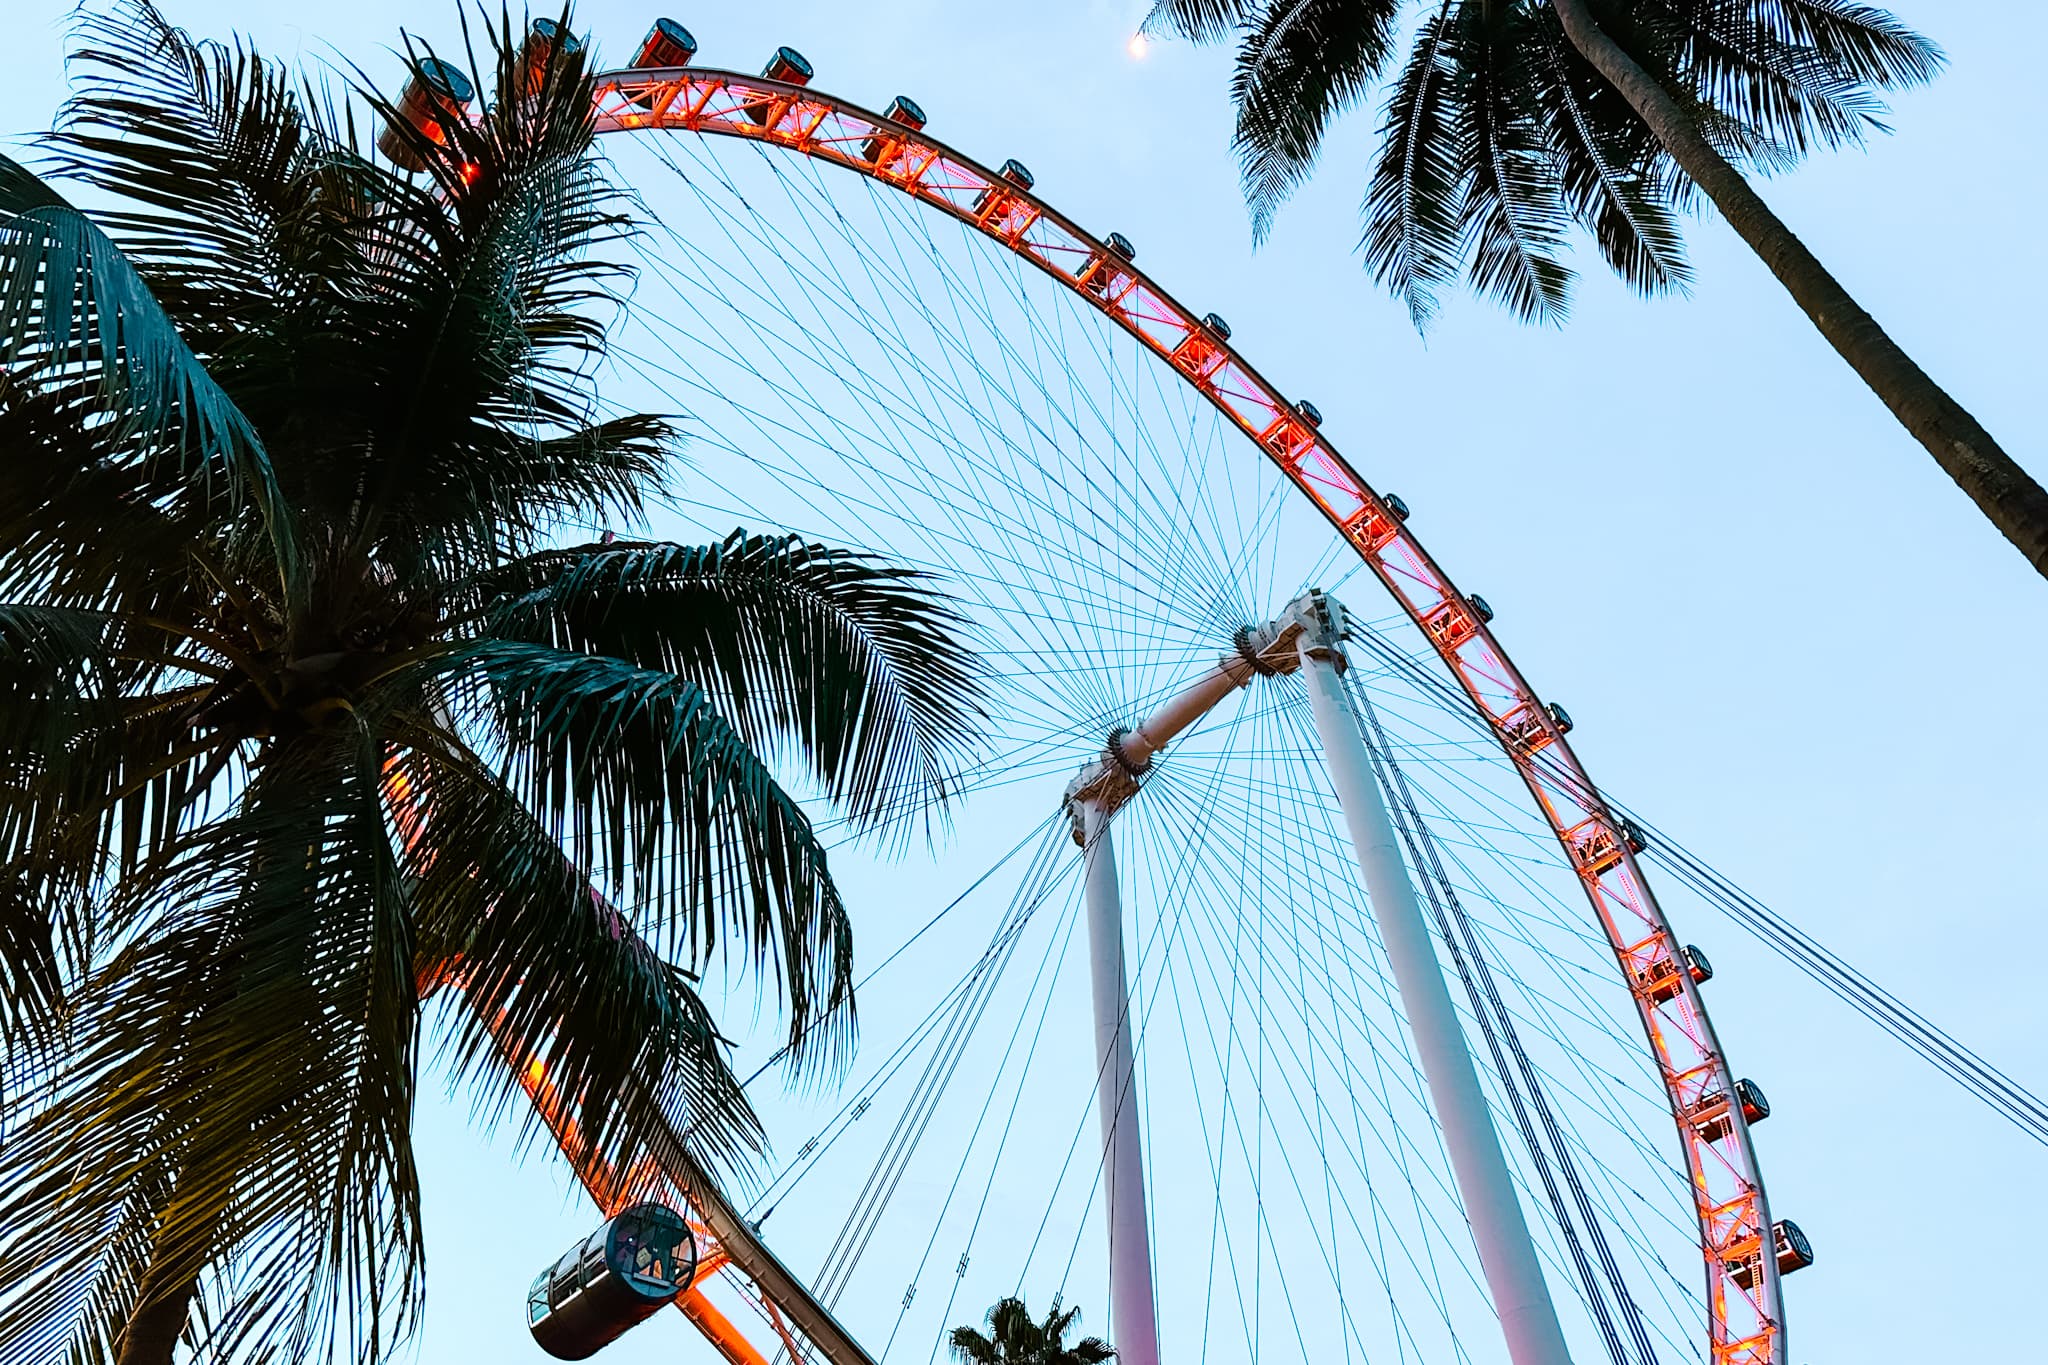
(1300, 63)
(1626, 210)
(644, 780)
(251, 1049)
(217, 166)
(73, 304)
(1513, 220)
(552, 976)
(1200, 21)
(858, 662)
(1412, 201)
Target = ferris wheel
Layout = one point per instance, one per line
(1391, 1054)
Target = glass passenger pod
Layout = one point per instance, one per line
(1710, 1116)
(543, 40)
(436, 96)
(1371, 529)
(667, 44)
(1480, 608)
(1659, 980)
(1102, 276)
(1310, 413)
(1201, 352)
(1450, 624)
(788, 66)
(1794, 1252)
(614, 1279)
(993, 202)
(885, 144)
(1523, 727)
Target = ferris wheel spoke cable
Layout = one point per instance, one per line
(1328, 1245)
(1962, 1064)
(911, 1125)
(1497, 1028)
(1084, 471)
(1055, 941)
(1401, 1149)
(1223, 897)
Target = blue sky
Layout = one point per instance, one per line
(1781, 631)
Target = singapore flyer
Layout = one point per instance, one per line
(1233, 819)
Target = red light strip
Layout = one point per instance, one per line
(1746, 1325)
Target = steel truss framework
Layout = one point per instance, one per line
(1744, 1312)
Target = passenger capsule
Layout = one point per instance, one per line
(1696, 964)
(1014, 171)
(1794, 1252)
(903, 110)
(1215, 323)
(1560, 717)
(543, 41)
(668, 43)
(1121, 245)
(1710, 1116)
(435, 97)
(1310, 413)
(614, 1279)
(1479, 607)
(788, 65)
(1396, 506)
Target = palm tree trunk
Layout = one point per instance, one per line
(162, 1307)
(2004, 492)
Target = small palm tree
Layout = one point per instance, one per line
(307, 711)
(1511, 123)
(1014, 1337)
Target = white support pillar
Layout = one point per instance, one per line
(1507, 1256)
(1134, 1324)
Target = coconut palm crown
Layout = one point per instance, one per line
(1014, 1337)
(1512, 127)
(310, 711)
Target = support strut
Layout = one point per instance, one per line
(1507, 1254)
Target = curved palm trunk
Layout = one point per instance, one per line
(2007, 494)
(161, 1311)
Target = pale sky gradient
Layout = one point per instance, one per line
(1783, 634)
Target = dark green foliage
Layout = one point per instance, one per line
(1014, 1337)
(1498, 141)
(305, 714)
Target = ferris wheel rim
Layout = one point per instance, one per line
(1734, 1230)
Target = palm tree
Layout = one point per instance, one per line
(1014, 1337)
(1513, 122)
(307, 710)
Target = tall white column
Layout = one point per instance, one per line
(1507, 1256)
(1134, 1326)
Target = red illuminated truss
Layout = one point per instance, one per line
(1744, 1306)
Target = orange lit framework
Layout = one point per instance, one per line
(726, 1243)
(1746, 1323)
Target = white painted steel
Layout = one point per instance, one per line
(1184, 710)
(1507, 1256)
(1133, 1314)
